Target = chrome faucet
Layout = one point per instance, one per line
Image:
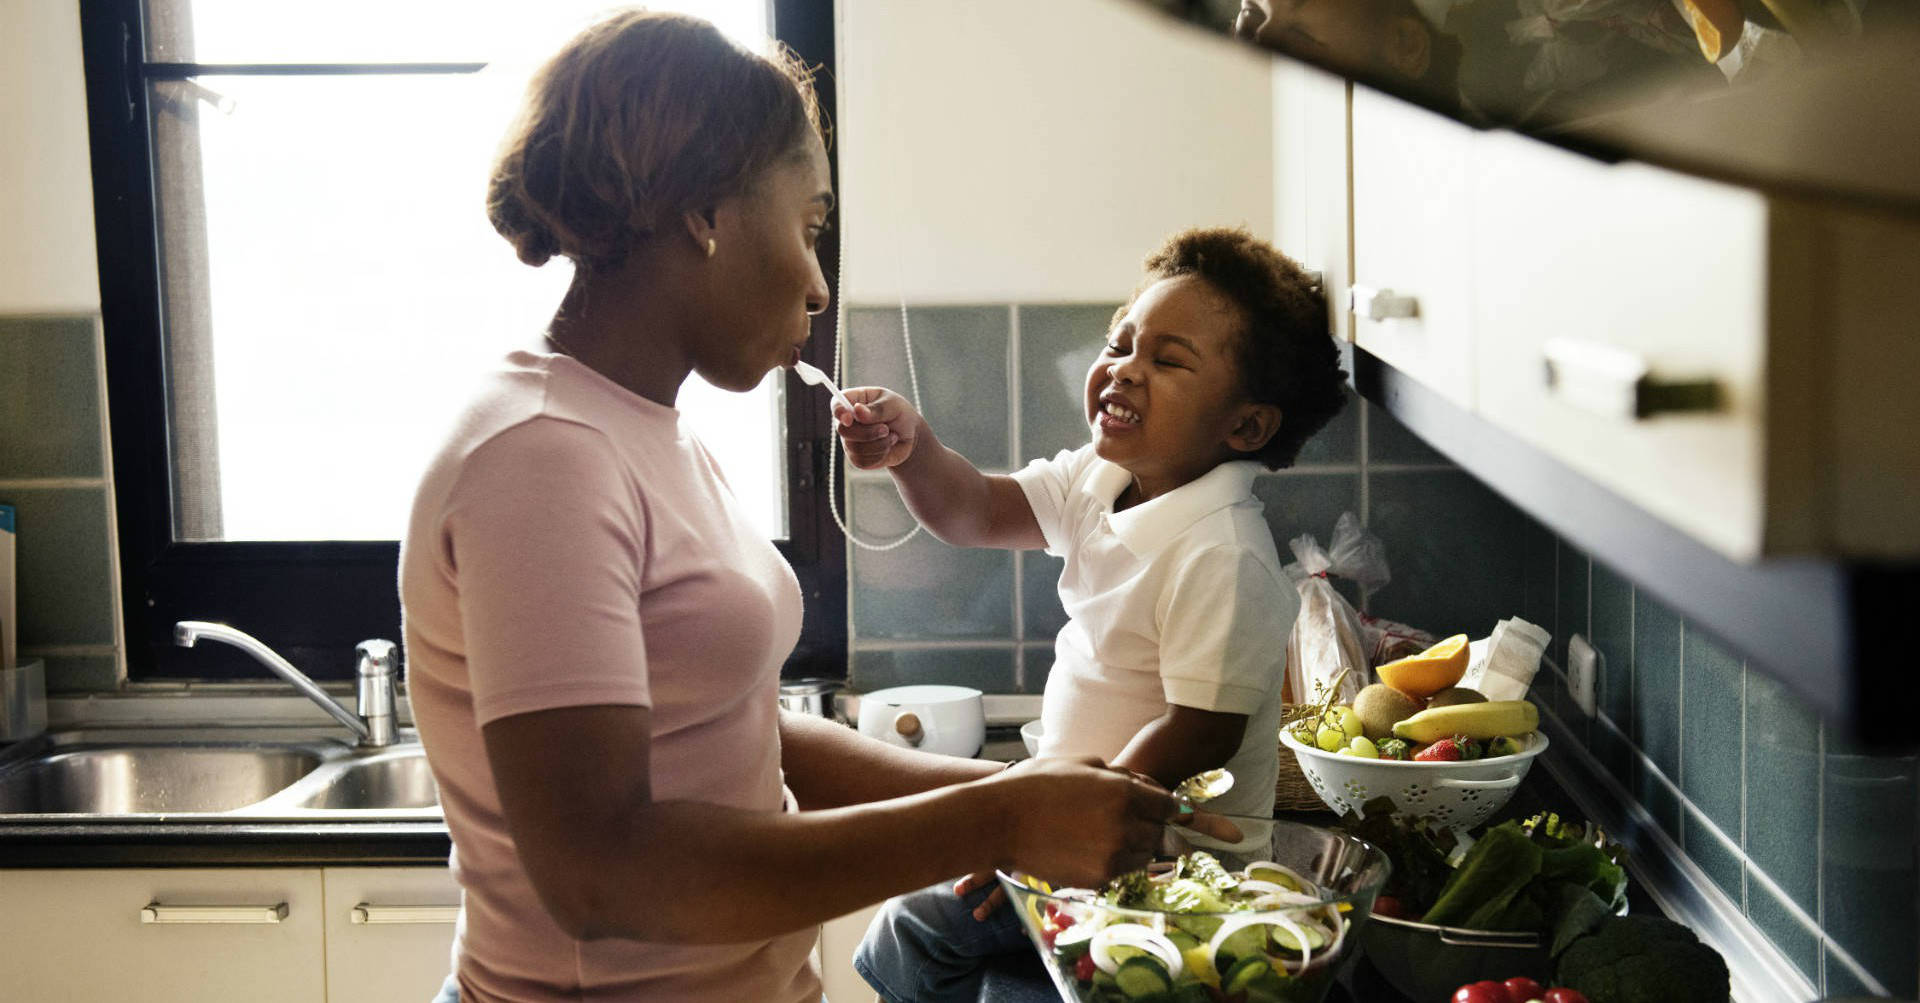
(373, 680)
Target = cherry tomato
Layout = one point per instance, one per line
(1488, 991)
(1084, 968)
(1387, 905)
(1521, 989)
(1565, 996)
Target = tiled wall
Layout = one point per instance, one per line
(53, 469)
(1811, 838)
(1002, 385)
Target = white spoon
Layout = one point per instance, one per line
(810, 374)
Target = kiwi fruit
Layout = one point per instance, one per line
(1456, 695)
(1381, 707)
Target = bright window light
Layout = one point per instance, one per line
(351, 292)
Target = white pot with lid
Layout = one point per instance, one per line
(950, 720)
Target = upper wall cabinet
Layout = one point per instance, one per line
(1412, 290)
(1726, 361)
(1620, 324)
(1310, 183)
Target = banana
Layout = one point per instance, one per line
(1481, 721)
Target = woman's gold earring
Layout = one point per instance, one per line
(712, 246)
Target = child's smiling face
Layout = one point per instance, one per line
(1164, 397)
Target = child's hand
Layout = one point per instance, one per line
(994, 900)
(880, 430)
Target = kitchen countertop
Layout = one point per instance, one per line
(224, 844)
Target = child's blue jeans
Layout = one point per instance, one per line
(926, 947)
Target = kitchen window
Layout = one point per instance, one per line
(300, 288)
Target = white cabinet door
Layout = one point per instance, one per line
(1624, 265)
(389, 933)
(1412, 215)
(1310, 195)
(161, 936)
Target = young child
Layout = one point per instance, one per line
(1172, 658)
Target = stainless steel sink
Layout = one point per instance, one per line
(127, 775)
(131, 779)
(395, 781)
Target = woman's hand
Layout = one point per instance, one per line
(1207, 823)
(1078, 822)
(881, 429)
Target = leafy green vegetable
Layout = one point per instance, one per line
(1189, 895)
(1642, 959)
(1498, 868)
(1580, 912)
(1203, 867)
(1573, 860)
(1418, 851)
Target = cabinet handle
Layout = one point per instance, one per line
(1617, 383)
(1369, 303)
(154, 912)
(366, 912)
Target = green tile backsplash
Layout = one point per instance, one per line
(64, 566)
(1057, 345)
(48, 385)
(53, 470)
(1815, 841)
(961, 355)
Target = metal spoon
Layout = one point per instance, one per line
(1202, 787)
(810, 374)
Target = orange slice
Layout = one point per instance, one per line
(1717, 25)
(1430, 671)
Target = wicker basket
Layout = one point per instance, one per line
(1291, 789)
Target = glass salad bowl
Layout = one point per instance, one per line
(1209, 926)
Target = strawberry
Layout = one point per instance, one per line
(1449, 750)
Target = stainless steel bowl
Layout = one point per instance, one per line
(1427, 962)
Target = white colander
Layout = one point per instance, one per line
(1452, 795)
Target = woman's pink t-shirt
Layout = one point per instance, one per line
(574, 544)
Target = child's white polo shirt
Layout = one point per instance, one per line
(1177, 600)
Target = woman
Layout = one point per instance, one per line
(595, 630)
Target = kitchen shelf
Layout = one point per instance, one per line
(1830, 630)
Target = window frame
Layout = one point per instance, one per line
(313, 601)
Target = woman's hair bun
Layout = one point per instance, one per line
(640, 117)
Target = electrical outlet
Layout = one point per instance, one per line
(1583, 668)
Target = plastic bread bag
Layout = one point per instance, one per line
(1329, 635)
(1388, 640)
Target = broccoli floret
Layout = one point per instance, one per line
(1130, 890)
(1642, 959)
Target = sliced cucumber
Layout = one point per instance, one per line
(1142, 977)
(1245, 973)
(1284, 939)
(1182, 939)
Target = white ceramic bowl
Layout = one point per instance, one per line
(1030, 734)
(1454, 795)
(950, 720)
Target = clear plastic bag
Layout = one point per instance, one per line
(1330, 635)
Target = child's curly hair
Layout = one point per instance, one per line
(1287, 354)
